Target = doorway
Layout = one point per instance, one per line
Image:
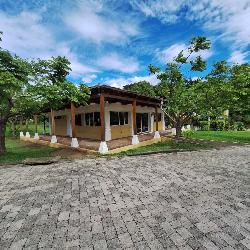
(142, 122)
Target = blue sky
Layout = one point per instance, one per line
(113, 42)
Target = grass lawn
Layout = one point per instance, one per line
(18, 150)
(230, 136)
(164, 146)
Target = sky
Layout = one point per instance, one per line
(112, 42)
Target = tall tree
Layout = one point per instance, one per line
(142, 87)
(14, 74)
(178, 90)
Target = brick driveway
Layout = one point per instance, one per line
(191, 200)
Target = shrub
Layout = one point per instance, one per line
(188, 133)
(239, 126)
(218, 125)
(204, 125)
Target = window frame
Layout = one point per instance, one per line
(91, 119)
(123, 114)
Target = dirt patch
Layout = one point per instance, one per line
(68, 153)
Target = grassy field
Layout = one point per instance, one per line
(31, 129)
(164, 146)
(230, 136)
(18, 150)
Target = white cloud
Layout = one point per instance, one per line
(120, 82)
(238, 57)
(91, 24)
(115, 62)
(25, 35)
(89, 78)
(168, 54)
(229, 18)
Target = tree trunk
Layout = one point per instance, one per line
(26, 125)
(178, 125)
(2, 136)
(21, 124)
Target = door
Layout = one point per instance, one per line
(142, 122)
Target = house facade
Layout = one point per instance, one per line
(112, 113)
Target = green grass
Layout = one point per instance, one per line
(230, 136)
(31, 129)
(17, 151)
(164, 147)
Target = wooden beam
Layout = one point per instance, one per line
(102, 116)
(73, 119)
(128, 99)
(134, 116)
(53, 124)
(156, 114)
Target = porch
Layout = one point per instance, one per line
(90, 145)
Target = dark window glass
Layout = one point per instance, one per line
(78, 120)
(87, 119)
(58, 117)
(121, 116)
(125, 117)
(91, 119)
(114, 118)
(97, 120)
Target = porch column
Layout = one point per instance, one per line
(103, 148)
(135, 139)
(74, 142)
(157, 134)
(53, 127)
(36, 134)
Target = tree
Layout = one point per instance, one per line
(179, 92)
(14, 74)
(240, 105)
(52, 88)
(142, 87)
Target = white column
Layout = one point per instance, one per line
(151, 122)
(107, 123)
(163, 121)
(130, 121)
(69, 130)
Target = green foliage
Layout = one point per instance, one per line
(204, 125)
(188, 133)
(218, 125)
(198, 64)
(142, 87)
(239, 126)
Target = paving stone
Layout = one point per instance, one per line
(189, 200)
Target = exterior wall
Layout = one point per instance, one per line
(119, 131)
(63, 126)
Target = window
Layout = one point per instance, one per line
(97, 119)
(118, 118)
(159, 117)
(114, 118)
(93, 119)
(58, 117)
(78, 120)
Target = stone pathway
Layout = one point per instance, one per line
(189, 200)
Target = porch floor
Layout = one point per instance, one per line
(94, 144)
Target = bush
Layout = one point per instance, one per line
(204, 125)
(239, 126)
(188, 133)
(217, 125)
